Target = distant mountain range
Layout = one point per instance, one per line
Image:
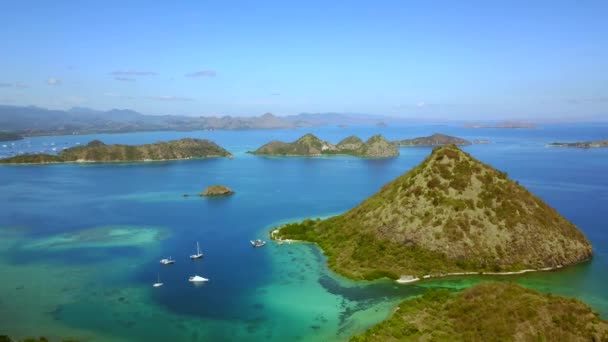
(79, 120)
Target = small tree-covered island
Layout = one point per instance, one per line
(489, 312)
(309, 145)
(98, 152)
(436, 139)
(451, 214)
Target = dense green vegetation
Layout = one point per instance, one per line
(309, 145)
(433, 140)
(97, 151)
(451, 213)
(8, 136)
(5, 338)
(489, 312)
(38, 158)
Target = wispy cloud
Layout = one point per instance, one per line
(52, 81)
(124, 79)
(202, 73)
(133, 73)
(13, 85)
(417, 105)
(170, 98)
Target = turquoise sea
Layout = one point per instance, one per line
(80, 244)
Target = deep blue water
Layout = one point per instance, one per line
(45, 201)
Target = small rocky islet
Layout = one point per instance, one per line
(98, 152)
(309, 145)
(217, 190)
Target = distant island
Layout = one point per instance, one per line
(8, 136)
(436, 139)
(451, 214)
(504, 124)
(309, 145)
(489, 312)
(588, 144)
(98, 152)
(217, 190)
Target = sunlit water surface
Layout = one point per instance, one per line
(80, 244)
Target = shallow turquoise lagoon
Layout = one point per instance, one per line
(80, 244)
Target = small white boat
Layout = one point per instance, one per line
(258, 243)
(158, 283)
(197, 279)
(167, 261)
(198, 254)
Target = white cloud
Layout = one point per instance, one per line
(52, 81)
(11, 85)
(420, 104)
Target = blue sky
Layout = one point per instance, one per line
(439, 59)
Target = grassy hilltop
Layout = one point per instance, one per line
(97, 151)
(489, 312)
(451, 213)
(309, 145)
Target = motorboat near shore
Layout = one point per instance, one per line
(258, 243)
(197, 279)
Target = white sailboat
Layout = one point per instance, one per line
(198, 254)
(167, 261)
(197, 279)
(258, 243)
(158, 283)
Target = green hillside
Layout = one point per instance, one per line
(451, 213)
(309, 145)
(489, 312)
(97, 151)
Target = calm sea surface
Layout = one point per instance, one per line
(80, 244)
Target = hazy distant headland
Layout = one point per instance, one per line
(581, 144)
(98, 152)
(504, 124)
(7, 136)
(35, 121)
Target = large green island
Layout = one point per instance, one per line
(309, 145)
(436, 139)
(98, 152)
(451, 214)
(582, 144)
(489, 312)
